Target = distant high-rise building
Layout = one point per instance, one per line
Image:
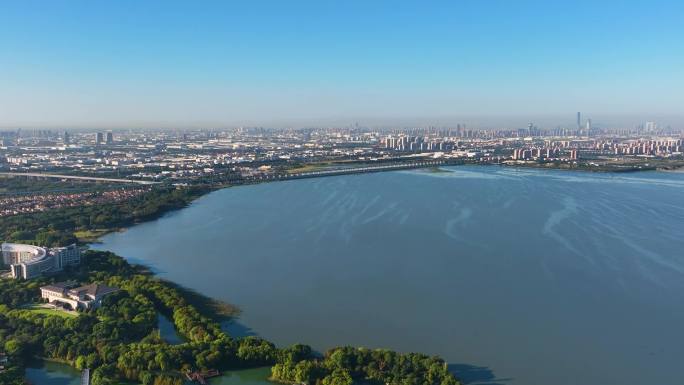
(588, 124)
(579, 120)
(67, 137)
(110, 138)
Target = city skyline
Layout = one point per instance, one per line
(319, 192)
(483, 122)
(170, 65)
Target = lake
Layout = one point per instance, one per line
(52, 373)
(55, 373)
(514, 276)
(167, 331)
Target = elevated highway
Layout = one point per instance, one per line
(76, 177)
(354, 170)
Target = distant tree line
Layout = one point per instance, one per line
(57, 227)
(13, 184)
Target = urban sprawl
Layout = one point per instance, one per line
(126, 163)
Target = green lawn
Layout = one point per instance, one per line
(90, 235)
(308, 167)
(36, 308)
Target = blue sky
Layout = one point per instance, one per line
(197, 63)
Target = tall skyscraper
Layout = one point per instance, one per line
(99, 138)
(579, 120)
(110, 138)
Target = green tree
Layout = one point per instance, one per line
(338, 377)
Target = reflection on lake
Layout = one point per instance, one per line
(167, 331)
(244, 377)
(53, 373)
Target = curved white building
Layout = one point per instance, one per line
(27, 261)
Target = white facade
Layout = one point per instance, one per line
(84, 297)
(27, 261)
(66, 256)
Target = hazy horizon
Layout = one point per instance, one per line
(78, 64)
(481, 122)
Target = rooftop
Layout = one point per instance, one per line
(94, 289)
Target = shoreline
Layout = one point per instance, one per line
(207, 305)
(596, 169)
(223, 311)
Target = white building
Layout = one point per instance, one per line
(84, 297)
(27, 261)
(66, 256)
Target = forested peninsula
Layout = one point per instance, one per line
(120, 342)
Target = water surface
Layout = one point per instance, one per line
(514, 276)
(167, 330)
(256, 376)
(52, 373)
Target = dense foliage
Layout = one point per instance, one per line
(57, 227)
(14, 293)
(119, 339)
(346, 365)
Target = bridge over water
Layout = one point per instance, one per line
(354, 170)
(85, 377)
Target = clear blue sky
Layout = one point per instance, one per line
(194, 63)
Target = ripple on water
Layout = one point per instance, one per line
(571, 273)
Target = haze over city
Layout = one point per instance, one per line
(493, 63)
(315, 192)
